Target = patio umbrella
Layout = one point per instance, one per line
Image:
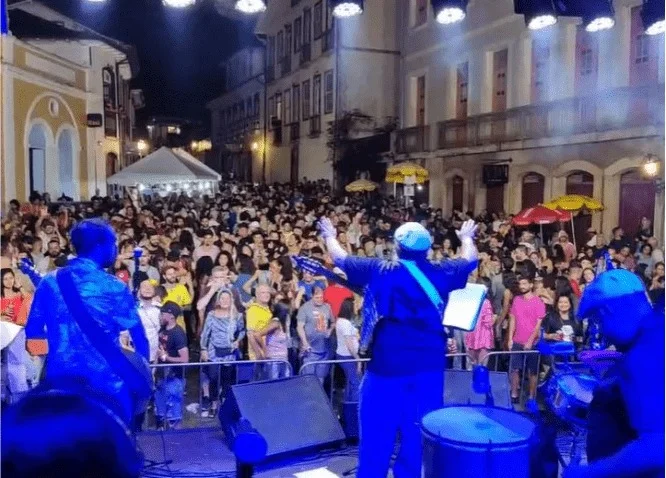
(575, 203)
(540, 215)
(360, 185)
(399, 173)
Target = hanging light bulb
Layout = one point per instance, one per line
(346, 8)
(652, 14)
(599, 16)
(449, 11)
(250, 6)
(179, 3)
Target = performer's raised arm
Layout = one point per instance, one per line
(466, 235)
(328, 233)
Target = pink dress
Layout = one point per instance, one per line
(482, 337)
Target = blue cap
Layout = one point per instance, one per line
(413, 236)
(609, 285)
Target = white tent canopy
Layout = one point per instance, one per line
(164, 166)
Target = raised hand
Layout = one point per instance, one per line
(326, 228)
(467, 230)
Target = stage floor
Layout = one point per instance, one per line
(202, 453)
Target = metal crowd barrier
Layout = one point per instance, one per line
(224, 374)
(501, 361)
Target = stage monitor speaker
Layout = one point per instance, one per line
(458, 389)
(291, 414)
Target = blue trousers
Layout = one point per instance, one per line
(352, 377)
(169, 398)
(392, 404)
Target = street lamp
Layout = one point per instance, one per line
(254, 146)
(250, 6)
(178, 3)
(142, 147)
(651, 166)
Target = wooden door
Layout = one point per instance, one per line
(495, 198)
(637, 200)
(533, 186)
(457, 192)
(420, 100)
(500, 67)
(587, 76)
(462, 81)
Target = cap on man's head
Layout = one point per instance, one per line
(413, 236)
(171, 308)
(609, 285)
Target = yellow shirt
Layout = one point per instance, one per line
(257, 317)
(181, 296)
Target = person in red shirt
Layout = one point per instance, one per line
(575, 275)
(335, 294)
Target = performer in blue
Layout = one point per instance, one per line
(82, 310)
(626, 419)
(404, 333)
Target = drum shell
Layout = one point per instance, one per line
(448, 458)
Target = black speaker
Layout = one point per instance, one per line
(495, 174)
(458, 389)
(291, 414)
(350, 419)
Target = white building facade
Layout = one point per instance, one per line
(237, 117)
(569, 112)
(319, 68)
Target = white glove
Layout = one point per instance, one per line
(467, 230)
(326, 228)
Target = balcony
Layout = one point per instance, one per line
(286, 64)
(616, 109)
(413, 140)
(306, 53)
(327, 41)
(295, 132)
(315, 126)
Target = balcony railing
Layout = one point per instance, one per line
(327, 41)
(315, 126)
(286, 64)
(413, 140)
(306, 53)
(615, 109)
(295, 132)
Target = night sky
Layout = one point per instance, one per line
(179, 50)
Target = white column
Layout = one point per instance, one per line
(52, 166)
(563, 63)
(486, 82)
(611, 201)
(614, 51)
(520, 71)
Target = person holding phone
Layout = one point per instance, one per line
(403, 332)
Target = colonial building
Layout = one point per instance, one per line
(505, 117)
(318, 70)
(67, 117)
(237, 116)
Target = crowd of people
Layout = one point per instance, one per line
(215, 281)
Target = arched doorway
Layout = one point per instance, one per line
(457, 193)
(37, 158)
(66, 163)
(637, 200)
(582, 183)
(533, 187)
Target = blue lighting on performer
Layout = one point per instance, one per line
(403, 331)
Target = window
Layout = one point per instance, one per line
(280, 46)
(500, 67)
(287, 40)
(296, 96)
(328, 92)
(287, 107)
(278, 106)
(241, 111)
(109, 88)
(461, 90)
(257, 106)
(318, 12)
(307, 26)
(306, 99)
(586, 62)
(173, 130)
(421, 13)
(316, 95)
(249, 108)
(420, 100)
(271, 52)
(540, 72)
(271, 110)
(642, 46)
(298, 34)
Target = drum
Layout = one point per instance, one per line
(570, 395)
(476, 442)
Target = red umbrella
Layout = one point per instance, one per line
(540, 215)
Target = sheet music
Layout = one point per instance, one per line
(464, 307)
(8, 332)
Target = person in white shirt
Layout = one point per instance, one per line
(347, 349)
(149, 313)
(207, 248)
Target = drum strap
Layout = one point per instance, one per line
(425, 284)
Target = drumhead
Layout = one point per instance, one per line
(478, 426)
(579, 386)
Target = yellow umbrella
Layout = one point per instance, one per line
(399, 172)
(360, 185)
(575, 202)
